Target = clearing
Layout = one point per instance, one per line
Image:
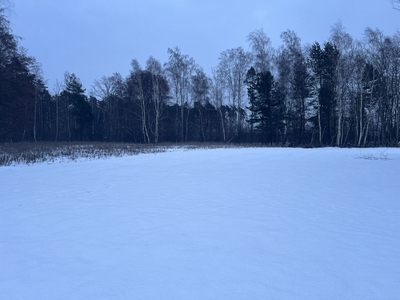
(255, 223)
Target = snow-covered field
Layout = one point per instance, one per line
(204, 224)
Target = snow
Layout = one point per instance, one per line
(255, 223)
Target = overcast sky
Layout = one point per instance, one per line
(92, 38)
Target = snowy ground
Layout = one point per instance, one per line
(204, 224)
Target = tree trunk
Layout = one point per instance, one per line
(144, 126)
(360, 117)
(56, 139)
(339, 125)
(222, 124)
(319, 124)
(35, 117)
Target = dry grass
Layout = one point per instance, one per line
(381, 155)
(30, 153)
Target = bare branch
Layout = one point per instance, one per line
(396, 4)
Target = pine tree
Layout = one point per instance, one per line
(266, 105)
(79, 107)
(323, 63)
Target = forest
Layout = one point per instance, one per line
(341, 92)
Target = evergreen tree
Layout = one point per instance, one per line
(266, 105)
(79, 108)
(17, 90)
(323, 63)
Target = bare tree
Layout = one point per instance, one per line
(159, 92)
(180, 68)
(217, 96)
(382, 54)
(344, 42)
(362, 85)
(58, 87)
(262, 50)
(395, 4)
(138, 75)
(234, 64)
(105, 87)
(200, 88)
(109, 90)
(293, 82)
(396, 85)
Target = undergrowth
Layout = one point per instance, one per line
(31, 153)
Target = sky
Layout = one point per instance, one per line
(95, 38)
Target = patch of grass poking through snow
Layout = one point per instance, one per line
(31, 153)
(381, 155)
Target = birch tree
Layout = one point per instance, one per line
(396, 83)
(217, 96)
(261, 50)
(234, 64)
(299, 84)
(383, 55)
(160, 92)
(344, 44)
(141, 93)
(180, 68)
(200, 88)
(290, 64)
(58, 87)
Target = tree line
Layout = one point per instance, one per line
(344, 92)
